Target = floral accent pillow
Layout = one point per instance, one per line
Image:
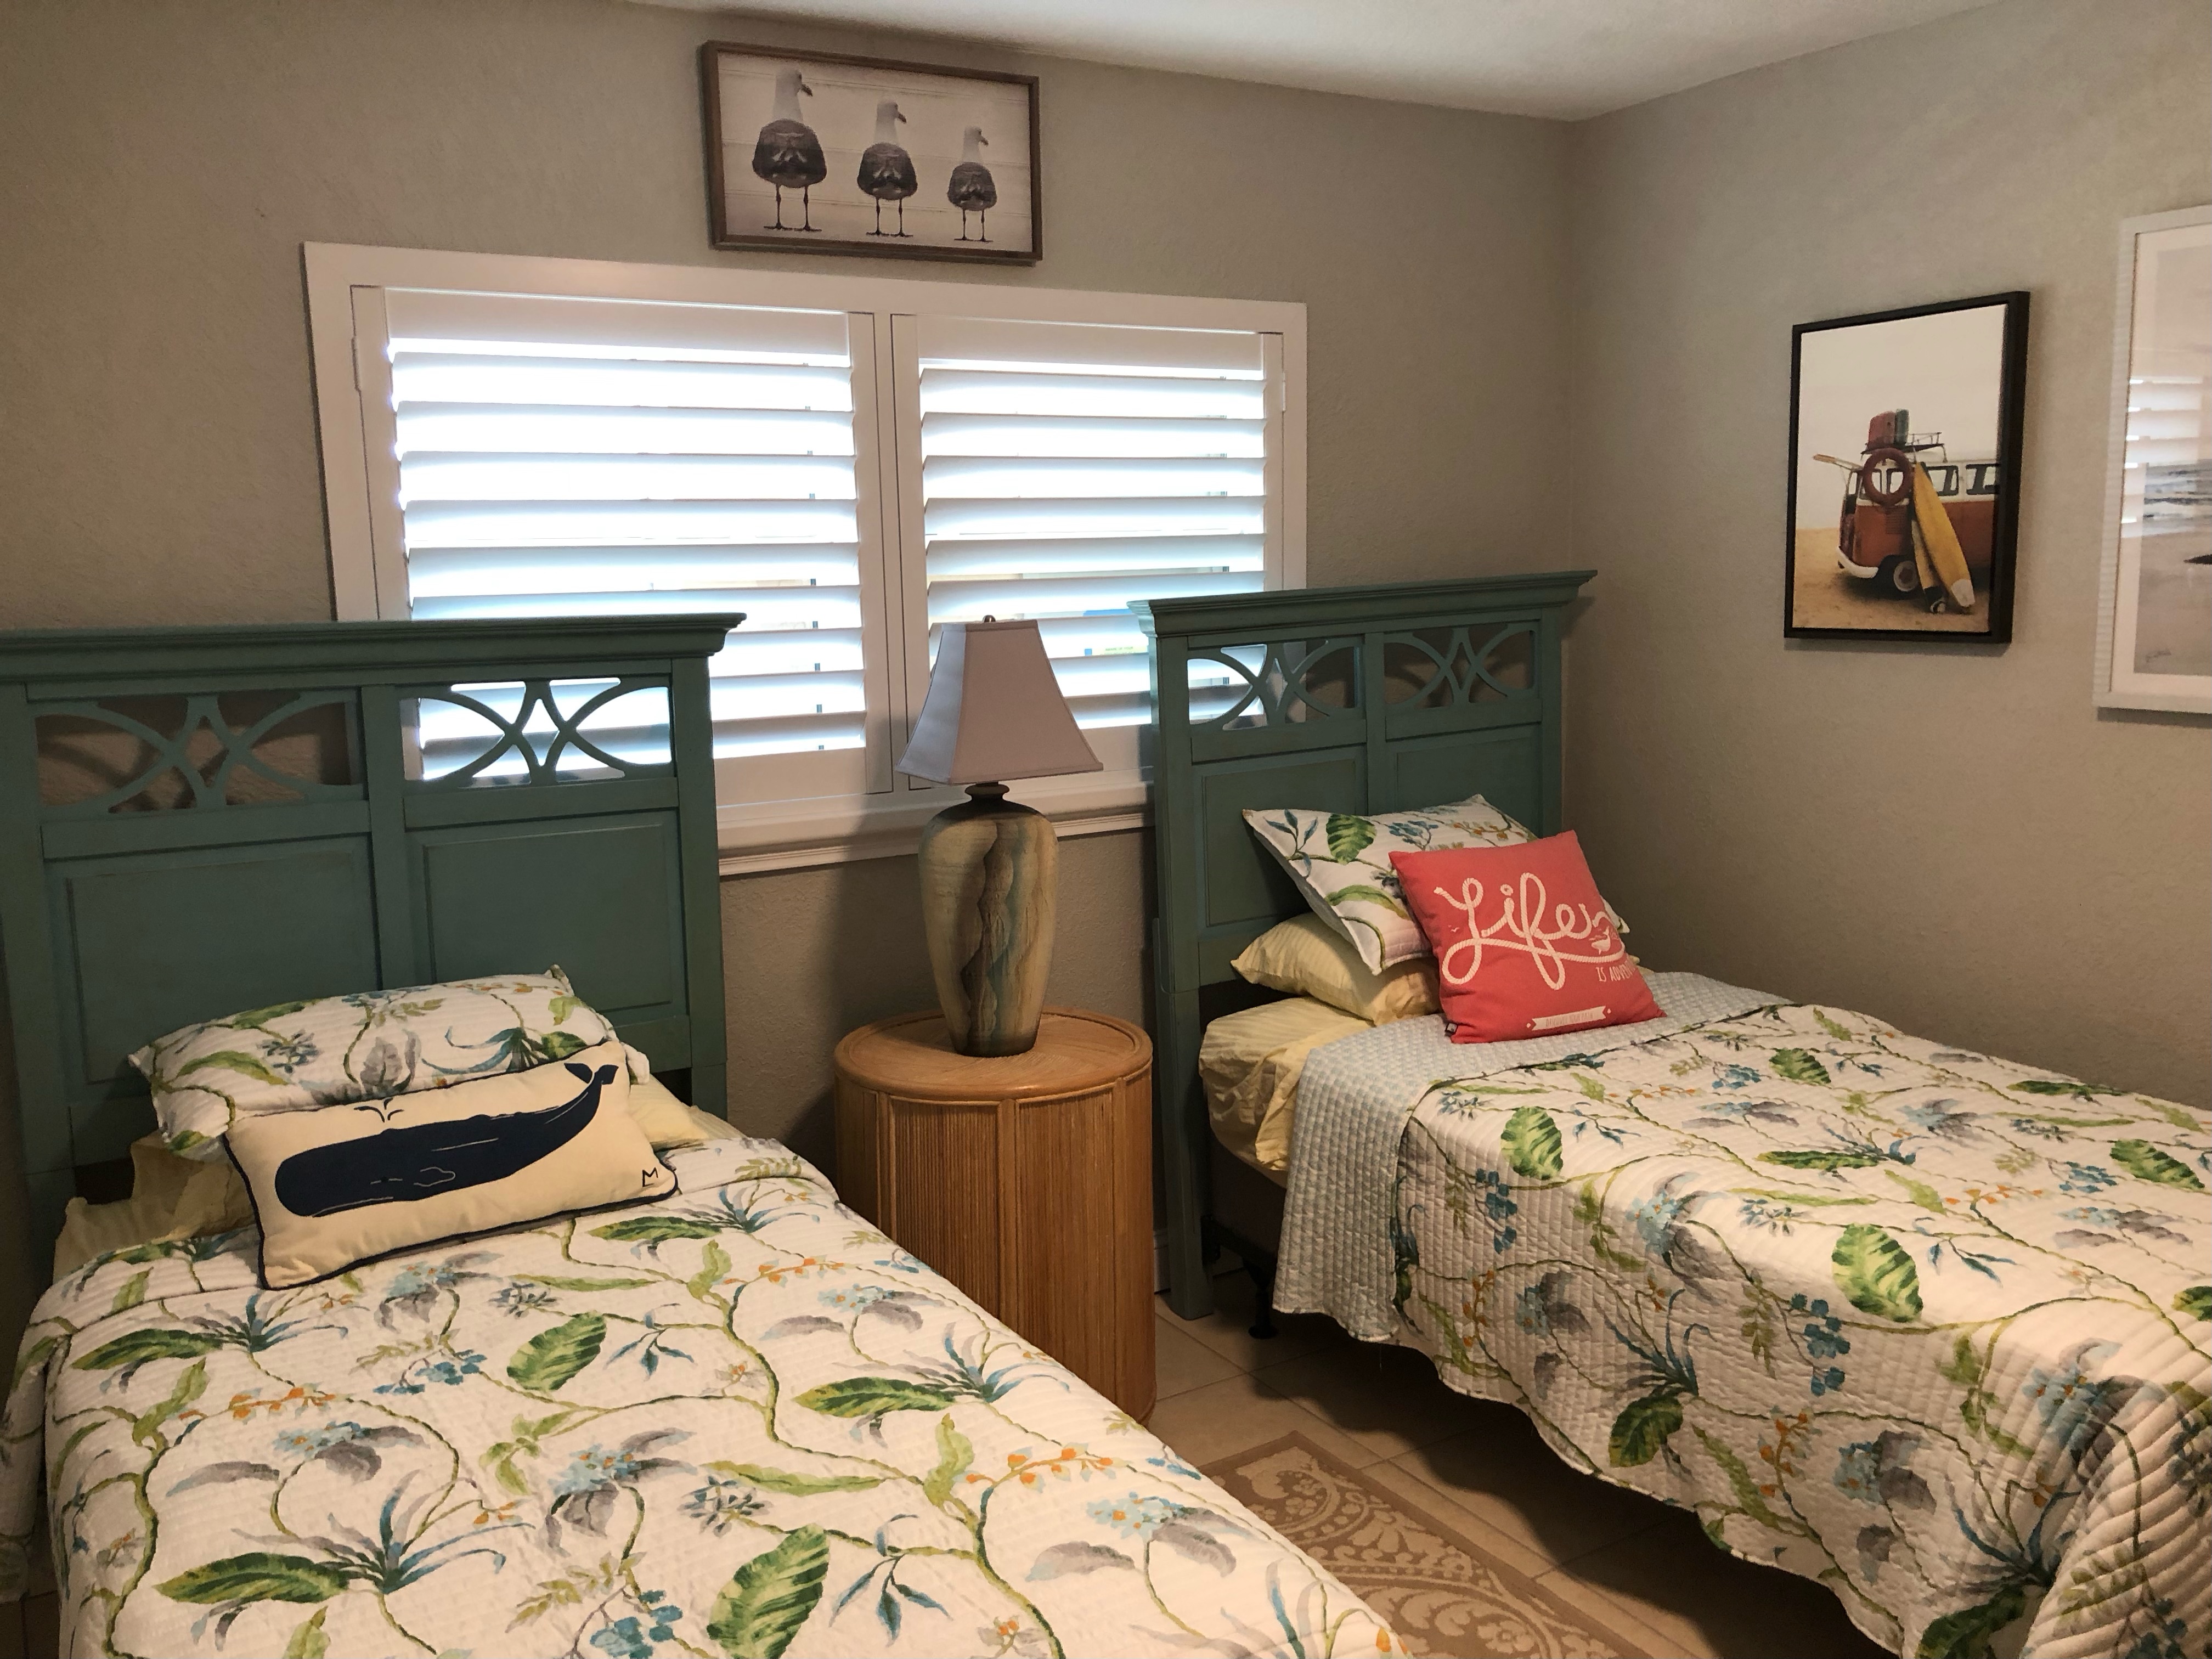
(1341, 862)
(370, 1045)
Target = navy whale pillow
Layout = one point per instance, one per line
(337, 1185)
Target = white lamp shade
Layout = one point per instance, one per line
(994, 711)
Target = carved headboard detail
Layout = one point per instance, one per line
(198, 820)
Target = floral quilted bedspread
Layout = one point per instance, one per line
(735, 1421)
(1927, 1326)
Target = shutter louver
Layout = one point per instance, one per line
(1068, 468)
(576, 456)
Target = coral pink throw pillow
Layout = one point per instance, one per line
(1522, 943)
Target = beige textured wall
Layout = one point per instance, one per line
(1951, 837)
(157, 454)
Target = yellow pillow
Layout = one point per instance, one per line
(335, 1185)
(706, 1126)
(667, 1121)
(171, 1198)
(1307, 957)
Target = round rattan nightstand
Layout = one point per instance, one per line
(1026, 1181)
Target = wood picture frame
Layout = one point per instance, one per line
(887, 155)
(2154, 590)
(1922, 546)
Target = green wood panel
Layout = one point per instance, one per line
(691, 746)
(1237, 877)
(1214, 619)
(155, 832)
(602, 897)
(91, 662)
(1212, 742)
(1504, 765)
(26, 955)
(666, 1042)
(1463, 717)
(399, 922)
(428, 807)
(160, 941)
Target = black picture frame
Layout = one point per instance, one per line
(1883, 587)
(725, 233)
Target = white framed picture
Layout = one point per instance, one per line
(2155, 623)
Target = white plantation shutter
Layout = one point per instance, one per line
(1064, 469)
(581, 457)
(849, 461)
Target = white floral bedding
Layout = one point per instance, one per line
(1928, 1326)
(735, 1421)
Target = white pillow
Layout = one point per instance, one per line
(370, 1045)
(1341, 863)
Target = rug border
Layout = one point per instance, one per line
(1215, 1469)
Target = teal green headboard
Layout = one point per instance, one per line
(1339, 699)
(194, 821)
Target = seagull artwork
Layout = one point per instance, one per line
(886, 170)
(787, 154)
(970, 189)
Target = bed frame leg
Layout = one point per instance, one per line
(1263, 1289)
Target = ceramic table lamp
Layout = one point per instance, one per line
(989, 865)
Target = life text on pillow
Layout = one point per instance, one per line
(1520, 926)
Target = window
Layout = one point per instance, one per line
(850, 462)
(1064, 471)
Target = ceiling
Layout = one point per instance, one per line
(1563, 58)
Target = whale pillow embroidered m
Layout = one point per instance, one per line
(337, 1185)
(293, 1056)
(1524, 945)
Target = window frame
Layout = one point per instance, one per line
(344, 293)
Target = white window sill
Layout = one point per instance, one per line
(793, 834)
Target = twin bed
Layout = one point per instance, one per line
(1928, 1326)
(1932, 1327)
(734, 1421)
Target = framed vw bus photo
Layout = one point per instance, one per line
(1904, 472)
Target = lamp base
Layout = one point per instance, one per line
(989, 877)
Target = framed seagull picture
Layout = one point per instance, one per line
(828, 154)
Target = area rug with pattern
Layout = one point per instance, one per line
(1442, 1593)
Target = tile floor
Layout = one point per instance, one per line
(1642, 1568)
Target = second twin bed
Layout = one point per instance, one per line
(1930, 1326)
